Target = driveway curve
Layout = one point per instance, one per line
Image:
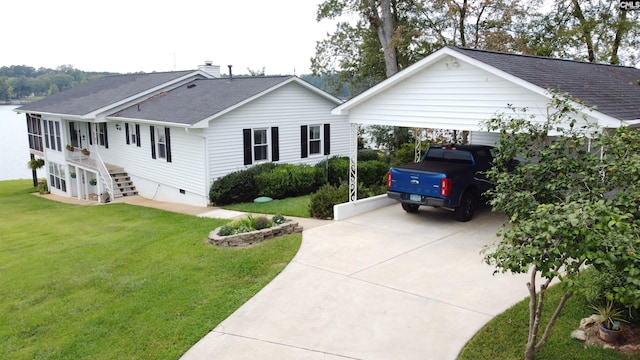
(381, 285)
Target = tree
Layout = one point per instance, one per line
(593, 30)
(571, 203)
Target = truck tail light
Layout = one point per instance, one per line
(389, 180)
(445, 186)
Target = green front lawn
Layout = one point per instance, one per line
(505, 336)
(295, 206)
(117, 281)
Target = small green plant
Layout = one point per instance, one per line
(73, 174)
(226, 230)
(609, 316)
(278, 219)
(42, 187)
(69, 147)
(35, 164)
(261, 222)
(93, 182)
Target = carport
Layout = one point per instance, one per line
(458, 88)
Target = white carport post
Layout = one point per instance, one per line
(353, 163)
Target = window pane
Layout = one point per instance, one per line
(314, 132)
(162, 151)
(260, 152)
(260, 137)
(314, 147)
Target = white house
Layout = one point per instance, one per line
(459, 88)
(169, 136)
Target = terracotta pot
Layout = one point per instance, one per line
(608, 335)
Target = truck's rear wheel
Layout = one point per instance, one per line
(464, 212)
(410, 208)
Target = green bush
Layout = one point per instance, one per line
(368, 155)
(226, 230)
(261, 222)
(372, 173)
(288, 180)
(322, 201)
(238, 186)
(335, 170)
(278, 219)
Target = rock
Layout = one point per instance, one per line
(629, 348)
(608, 346)
(579, 335)
(588, 322)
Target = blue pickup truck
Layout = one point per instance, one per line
(449, 176)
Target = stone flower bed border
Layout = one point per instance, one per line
(253, 237)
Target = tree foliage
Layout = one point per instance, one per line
(572, 202)
(358, 51)
(19, 81)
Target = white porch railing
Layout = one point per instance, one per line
(106, 178)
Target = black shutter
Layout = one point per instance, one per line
(303, 141)
(152, 132)
(246, 142)
(90, 136)
(275, 145)
(327, 139)
(106, 137)
(126, 132)
(167, 139)
(137, 135)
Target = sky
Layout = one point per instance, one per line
(141, 35)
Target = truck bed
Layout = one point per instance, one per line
(433, 167)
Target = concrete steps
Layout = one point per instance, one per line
(123, 186)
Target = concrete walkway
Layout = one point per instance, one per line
(382, 285)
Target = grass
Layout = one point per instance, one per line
(117, 281)
(296, 206)
(505, 336)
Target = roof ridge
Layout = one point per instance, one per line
(539, 57)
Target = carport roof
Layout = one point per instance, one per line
(613, 90)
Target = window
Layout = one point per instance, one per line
(256, 143)
(160, 143)
(34, 130)
(260, 145)
(101, 135)
(57, 177)
(132, 134)
(75, 135)
(52, 135)
(315, 140)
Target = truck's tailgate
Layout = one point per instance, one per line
(422, 178)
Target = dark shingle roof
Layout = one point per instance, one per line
(613, 90)
(200, 99)
(96, 94)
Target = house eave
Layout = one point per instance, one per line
(146, 121)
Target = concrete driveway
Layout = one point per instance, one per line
(382, 285)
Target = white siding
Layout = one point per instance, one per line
(448, 97)
(287, 108)
(156, 178)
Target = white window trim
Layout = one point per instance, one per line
(267, 144)
(320, 140)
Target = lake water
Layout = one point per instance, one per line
(14, 145)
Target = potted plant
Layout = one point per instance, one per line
(609, 319)
(42, 187)
(93, 182)
(85, 152)
(70, 147)
(73, 174)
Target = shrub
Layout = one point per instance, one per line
(368, 155)
(238, 186)
(322, 201)
(278, 219)
(335, 170)
(288, 180)
(372, 173)
(261, 222)
(226, 230)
